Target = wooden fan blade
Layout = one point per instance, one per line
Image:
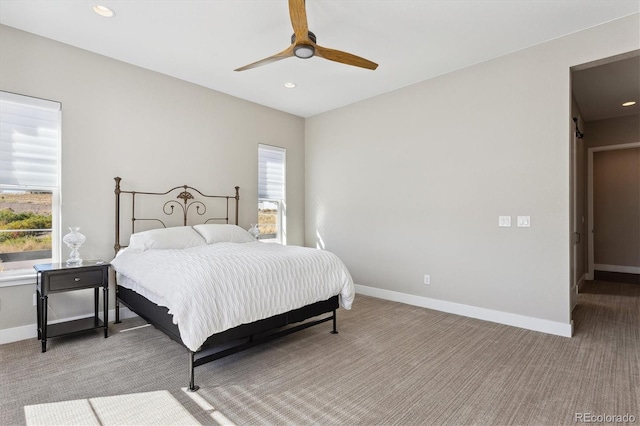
(288, 52)
(298, 14)
(344, 58)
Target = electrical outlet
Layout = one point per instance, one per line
(524, 221)
(504, 221)
(427, 279)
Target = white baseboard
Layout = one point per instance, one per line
(515, 320)
(617, 268)
(30, 331)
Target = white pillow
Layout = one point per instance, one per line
(223, 233)
(179, 237)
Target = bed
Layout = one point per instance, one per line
(210, 285)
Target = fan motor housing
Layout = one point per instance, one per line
(304, 51)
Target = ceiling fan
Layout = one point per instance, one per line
(303, 44)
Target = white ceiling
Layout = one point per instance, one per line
(204, 41)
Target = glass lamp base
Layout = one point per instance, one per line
(74, 259)
(74, 240)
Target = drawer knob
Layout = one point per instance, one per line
(76, 279)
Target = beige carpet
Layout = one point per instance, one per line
(391, 364)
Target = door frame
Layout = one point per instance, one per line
(590, 152)
(573, 222)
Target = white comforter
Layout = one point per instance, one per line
(212, 288)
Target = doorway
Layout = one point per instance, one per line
(614, 209)
(598, 90)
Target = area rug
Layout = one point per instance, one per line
(149, 408)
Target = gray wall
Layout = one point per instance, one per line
(612, 131)
(412, 182)
(152, 130)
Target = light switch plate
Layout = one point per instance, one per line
(524, 221)
(504, 220)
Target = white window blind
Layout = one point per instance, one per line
(29, 141)
(271, 176)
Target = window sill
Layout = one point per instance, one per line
(17, 278)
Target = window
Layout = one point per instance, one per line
(271, 194)
(29, 183)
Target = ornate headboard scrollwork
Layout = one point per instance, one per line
(188, 200)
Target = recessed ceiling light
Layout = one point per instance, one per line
(628, 104)
(289, 85)
(103, 11)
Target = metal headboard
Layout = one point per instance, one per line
(186, 194)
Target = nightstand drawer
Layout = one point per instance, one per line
(77, 279)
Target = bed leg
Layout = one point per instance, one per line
(117, 309)
(335, 324)
(192, 386)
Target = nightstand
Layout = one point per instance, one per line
(60, 277)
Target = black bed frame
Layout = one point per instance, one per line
(229, 341)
